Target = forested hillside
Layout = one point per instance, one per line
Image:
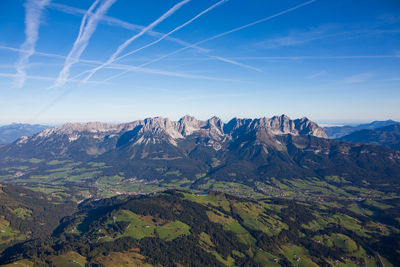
(177, 228)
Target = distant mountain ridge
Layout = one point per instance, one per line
(10, 133)
(388, 136)
(336, 132)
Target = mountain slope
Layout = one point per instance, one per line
(388, 136)
(10, 133)
(92, 139)
(192, 152)
(176, 228)
(340, 131)
(26, 215)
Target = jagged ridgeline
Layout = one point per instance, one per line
(178, 228)
(158, 153)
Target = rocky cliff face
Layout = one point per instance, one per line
(188, 125)
(277, 125)
(96, 138)
(165, 129)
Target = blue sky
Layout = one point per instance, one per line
(122, 60)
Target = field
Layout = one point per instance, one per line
(70, 259)
(126, 259)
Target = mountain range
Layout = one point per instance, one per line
(155, 192)
(388, 136)
(241, 149)
(336, 132)
(10, 133)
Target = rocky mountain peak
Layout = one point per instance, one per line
(280, 125)
(88, 127)
(159, 125)
(188, 125)
(75, 128)
(215, 123)
(306, 126)
(188, 119)
(214, 128)
(236, 123)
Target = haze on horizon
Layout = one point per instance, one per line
(122, 60)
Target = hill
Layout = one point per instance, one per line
(177, 228)
(27, 215)
(388, 136)
(336, 132)
(10, 133)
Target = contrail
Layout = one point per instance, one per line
(318, 57)
(86, 30)
(130, 40)
(231, 31)
(168, 34)
(120, 23)
(134, 27)
(42, 78)
(33, 15)
(84, 19)
(7, 66)
(295, 58)
(127, 68)
(162, 72)
(183, 25)
(94, 62)
(174, 30)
